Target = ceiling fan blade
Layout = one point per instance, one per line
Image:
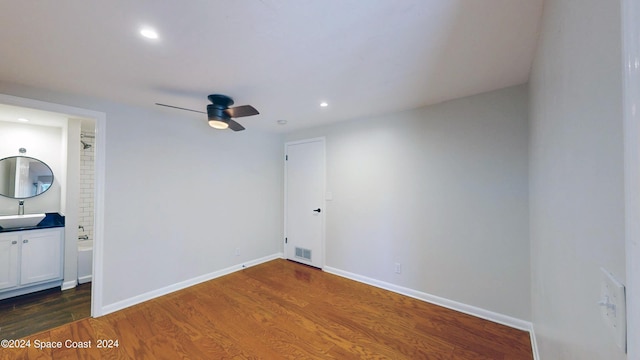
(175, 107)
(235, 126)
(240, 111)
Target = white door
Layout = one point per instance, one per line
(304, 201)
(41, 256)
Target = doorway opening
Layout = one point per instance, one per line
(81, 137)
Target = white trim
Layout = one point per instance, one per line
(6, 293)
(184, 284)
(630, 11)
(85, 279)
(98, 216)
(534, 344)
(67, 285)
(436, 300)
(284, 205)
(99, 176)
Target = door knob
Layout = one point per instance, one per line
(317, 210)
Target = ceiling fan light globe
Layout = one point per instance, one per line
(218, 124)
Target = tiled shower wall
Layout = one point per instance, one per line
(86, 185)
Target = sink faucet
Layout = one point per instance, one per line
(21, 207)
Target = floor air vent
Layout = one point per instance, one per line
(303, 253)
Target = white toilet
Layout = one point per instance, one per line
(85, 261)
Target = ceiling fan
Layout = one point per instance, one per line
(220, 114)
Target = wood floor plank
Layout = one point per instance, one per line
(32, 313)
(284, 310)
(126, 326)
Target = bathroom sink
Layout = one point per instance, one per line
(20, 221)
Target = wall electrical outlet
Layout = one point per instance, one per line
(613, 307)
(398, 268)
(237, 252)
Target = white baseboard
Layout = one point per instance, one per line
(68, 285)
(449, 304)
(183, 284)
(534, 344)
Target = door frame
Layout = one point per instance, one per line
(99, 182)
(323, 218)
(630, 10)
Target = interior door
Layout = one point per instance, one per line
(304, 201)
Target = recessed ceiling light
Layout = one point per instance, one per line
(23, 120)
(282, 122)
(324, 104)
(149, 33)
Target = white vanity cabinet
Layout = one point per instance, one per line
(30, 260)
(41, 257)
(9, 252)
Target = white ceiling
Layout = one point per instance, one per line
(363, 57)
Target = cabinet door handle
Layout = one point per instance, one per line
(25, 241)
(14, 242)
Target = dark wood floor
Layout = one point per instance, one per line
(282, 310)
(32, 313)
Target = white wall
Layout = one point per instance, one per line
(43, 143)
(443, 191)
(576, 176)
(180, 197)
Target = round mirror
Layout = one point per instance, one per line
(23, 177)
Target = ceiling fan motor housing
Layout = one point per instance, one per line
(219, 103)
(216, 112)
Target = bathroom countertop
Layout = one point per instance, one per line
(51, 220)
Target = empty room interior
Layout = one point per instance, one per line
(463, 156)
